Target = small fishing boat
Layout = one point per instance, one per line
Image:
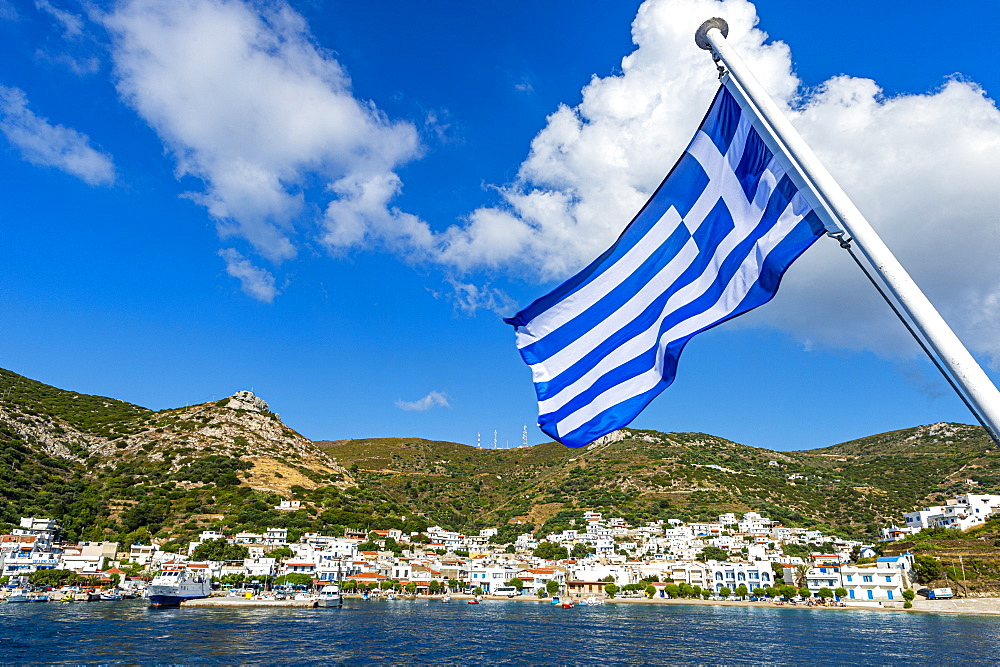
(19, 595)
(330, 596)
(446, 598)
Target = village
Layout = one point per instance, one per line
(735, 557)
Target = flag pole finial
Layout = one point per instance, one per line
(701, 35)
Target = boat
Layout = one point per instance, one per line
(446, 598)
(66, 597)
(19, 595)
(110, 595)
(329, 596)
(473, 601)
(171, 587)
(592, 601)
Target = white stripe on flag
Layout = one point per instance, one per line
(731, 297)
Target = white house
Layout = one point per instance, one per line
(731, 575)
(884, 582)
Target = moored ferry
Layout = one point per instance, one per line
(171, 587)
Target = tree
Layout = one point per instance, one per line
(580, 550)
(803, 592)
(908, 595)
(478, 590)
(758, 592)
(220, 550)
(611, 589)
(825, 593)
(788, 591)
(672, 590)
(295, 579)
(453, 585)
(801, 571)
(283, 552)
(550, 551)
(435, 587)
(841, 592)
(551, 587)
(713, 553)
(650, 590)
(725, 591)
(411, 588)
(517, 583)
(742, 591)
(926, 569)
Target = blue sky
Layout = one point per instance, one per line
(334, 203)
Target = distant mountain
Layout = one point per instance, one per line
(107, 469)
(855, 487)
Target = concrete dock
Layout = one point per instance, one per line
(244, 602)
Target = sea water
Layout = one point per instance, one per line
(427, 631)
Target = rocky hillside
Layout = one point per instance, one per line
(106, 467)
(109, 469)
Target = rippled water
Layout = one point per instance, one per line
(424, 631)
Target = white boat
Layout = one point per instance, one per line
(592, 601)
(171, 587)
(446, 598)
(111, 595)
(19, 595)
(329, 596)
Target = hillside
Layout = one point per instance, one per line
(853, 488)
(107, 469)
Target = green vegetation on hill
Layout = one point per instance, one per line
(95, 415)
(968, 561)
(135, 475)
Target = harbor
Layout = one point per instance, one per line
(500, 630)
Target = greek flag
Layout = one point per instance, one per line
(711, 243)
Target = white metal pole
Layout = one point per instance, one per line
(837, 209)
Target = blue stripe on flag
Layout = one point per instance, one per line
(604, 343)
(680, 190)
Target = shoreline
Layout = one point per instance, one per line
(972, 606)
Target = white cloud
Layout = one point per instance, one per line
(468, 298)
(72, 24)
(254, 281)
(8, 11)
(923, 167)
(43, 143)
(246, 102)
(433, 399)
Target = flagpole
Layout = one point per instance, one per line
(838, 211)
